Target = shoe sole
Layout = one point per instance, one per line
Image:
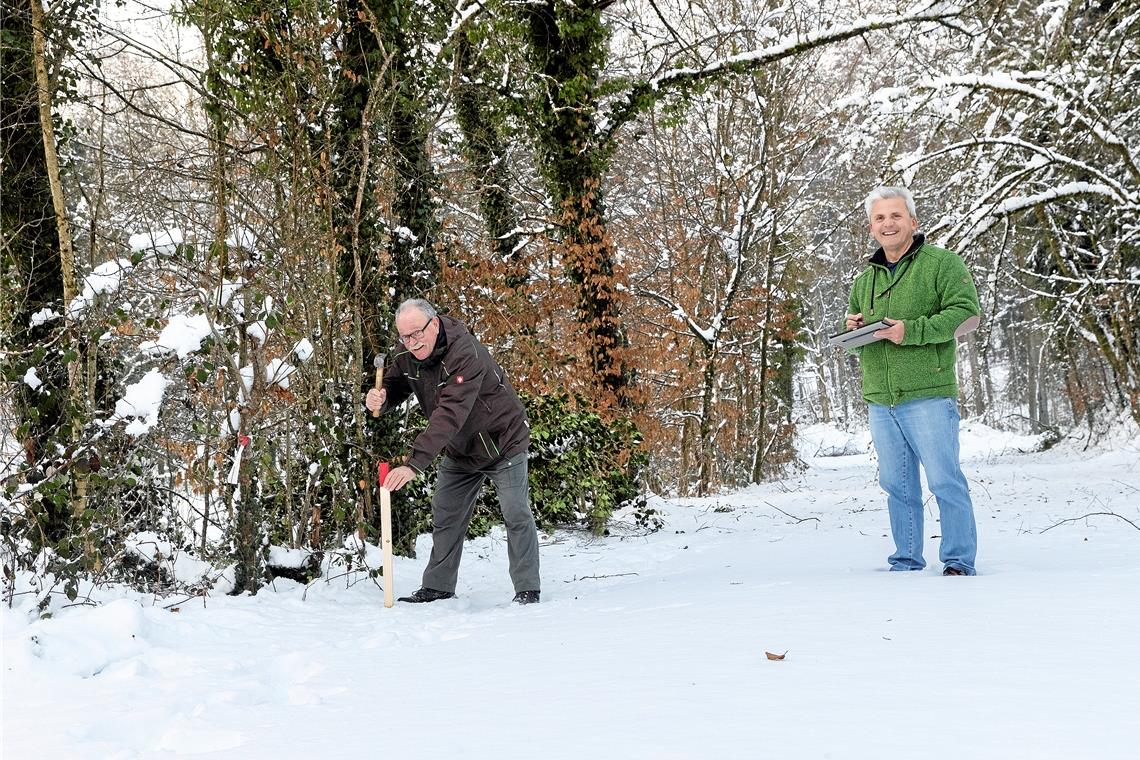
(412, 600)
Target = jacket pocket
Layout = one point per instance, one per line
(917, 368)
(479, 450)
(487, 446)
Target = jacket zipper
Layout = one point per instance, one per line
(886, 354)
(888, 292)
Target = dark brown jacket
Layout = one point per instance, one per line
(474, 415)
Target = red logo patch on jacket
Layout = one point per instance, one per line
(459, 378)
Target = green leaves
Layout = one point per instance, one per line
(582, 468)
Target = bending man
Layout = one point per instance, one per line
(476, 420)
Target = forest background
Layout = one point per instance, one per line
(649, 211)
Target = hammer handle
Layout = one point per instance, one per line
(379, 385)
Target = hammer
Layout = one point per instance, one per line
(378, 363)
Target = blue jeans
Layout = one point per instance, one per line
(924, 431)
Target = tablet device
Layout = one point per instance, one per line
(860, 336)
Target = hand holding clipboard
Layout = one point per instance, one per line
(860, 336)
(864, 334)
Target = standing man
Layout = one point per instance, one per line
(476, 419)
(927, 297)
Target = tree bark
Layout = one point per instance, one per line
(567, 46)
(76, 374)
(66, 250)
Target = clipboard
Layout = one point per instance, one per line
(860, 336)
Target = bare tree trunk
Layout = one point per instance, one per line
(976, 387)
(1044, 419)
(765, 352)
(1031, 378)
(247, 502)
(987, 375)
(821, 387)
(686, 455)
(219, 249)
(75, 368)
(707, 453)
(839, 367)
(67, 254)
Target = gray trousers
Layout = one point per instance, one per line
(452, 506)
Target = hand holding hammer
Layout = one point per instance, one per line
(377, 395)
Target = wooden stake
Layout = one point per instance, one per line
(386, 533)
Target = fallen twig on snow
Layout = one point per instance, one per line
(596, 577)
(797, 519)
(1093, 514)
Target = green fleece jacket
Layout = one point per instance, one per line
(932, 292)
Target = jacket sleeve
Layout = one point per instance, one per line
(853, 307)
(396, 387)
(463, 378)
(957, 299)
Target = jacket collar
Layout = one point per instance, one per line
(880, 258)
(436, 355)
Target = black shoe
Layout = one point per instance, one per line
(427, 595)
(526, 597)
(951, 570)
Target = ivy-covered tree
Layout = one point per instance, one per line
(41, 355)
(32, 270)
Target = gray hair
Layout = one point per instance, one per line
(883, 193)
(423, 306)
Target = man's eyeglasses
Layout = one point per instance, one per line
(412, 336)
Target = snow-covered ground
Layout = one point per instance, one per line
(648, 646)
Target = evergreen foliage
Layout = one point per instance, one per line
(582, 468)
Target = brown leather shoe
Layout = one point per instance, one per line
(951, 570)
